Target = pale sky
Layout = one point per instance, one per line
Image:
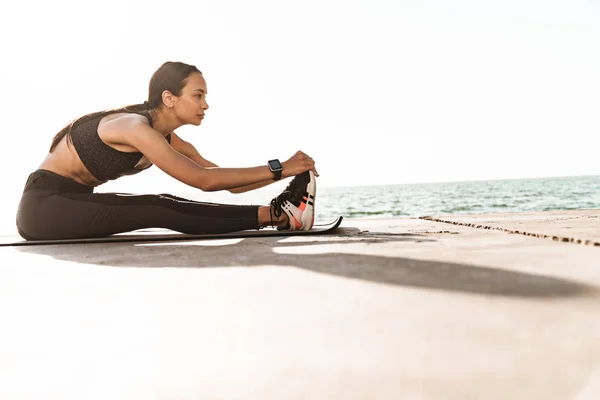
(378, 92)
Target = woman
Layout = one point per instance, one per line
(59, 202)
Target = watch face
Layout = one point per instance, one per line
(275, 165)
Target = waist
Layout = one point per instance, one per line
(42, 179)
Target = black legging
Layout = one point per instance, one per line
(55, 207)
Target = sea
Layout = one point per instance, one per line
(470, 197)
(419, 199)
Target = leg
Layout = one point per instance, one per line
(79, 215)
(265, 213)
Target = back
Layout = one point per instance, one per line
(101, 160)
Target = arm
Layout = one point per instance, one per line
(188, 150)
(138, 134)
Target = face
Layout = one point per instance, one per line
(191, 105)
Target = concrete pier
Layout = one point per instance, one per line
(497, 306)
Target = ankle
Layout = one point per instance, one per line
(265, 216)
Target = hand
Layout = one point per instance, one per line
(297, 164)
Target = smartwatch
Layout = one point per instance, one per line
(276, 168)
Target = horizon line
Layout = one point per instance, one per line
(462, 181)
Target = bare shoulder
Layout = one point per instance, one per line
(122, 131)
(123, 121)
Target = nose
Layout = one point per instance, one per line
(205, 106)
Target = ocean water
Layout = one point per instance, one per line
(493, 196)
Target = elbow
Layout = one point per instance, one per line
(212, 182)
(210, 187)
(207, 183)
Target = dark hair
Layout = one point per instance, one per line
(170, 76)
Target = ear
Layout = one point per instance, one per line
(168, 99)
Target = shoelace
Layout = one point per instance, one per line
(275, 206)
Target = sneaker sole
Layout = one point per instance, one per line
(308, 216)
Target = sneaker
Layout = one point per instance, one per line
(298, 202)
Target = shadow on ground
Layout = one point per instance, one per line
(389, 270)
